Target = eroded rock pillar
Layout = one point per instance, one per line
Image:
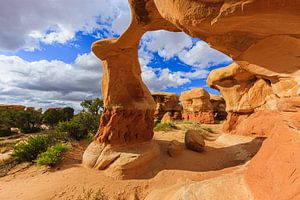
(123, 143)
(129, 107)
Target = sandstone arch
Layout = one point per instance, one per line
(248, 31)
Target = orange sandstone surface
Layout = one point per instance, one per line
(262, 37)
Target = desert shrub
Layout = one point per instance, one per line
(93, 106)
(57, 136)
(6, 122)
(52, 117)
(52, 156)
(91, 195)
(164, 127)
(79, 126)
(28, 151)
(27, 121)
(67, 113)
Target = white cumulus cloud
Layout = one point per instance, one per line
(27, 23)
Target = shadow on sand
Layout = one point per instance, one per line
(209, 160)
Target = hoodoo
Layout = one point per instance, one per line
(263, 39)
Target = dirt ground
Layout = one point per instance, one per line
(70, 179)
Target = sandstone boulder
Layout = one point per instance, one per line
(197, 106)
(194, 141)
(121, 162)
(167, 106)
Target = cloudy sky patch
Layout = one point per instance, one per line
(46, 61)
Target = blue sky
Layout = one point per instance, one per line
(46, 60)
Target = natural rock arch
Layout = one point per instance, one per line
(248, 31)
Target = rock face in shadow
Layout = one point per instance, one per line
(167, 106)
(197, 106)
(219, 107)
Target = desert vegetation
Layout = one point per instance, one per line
(46, 146)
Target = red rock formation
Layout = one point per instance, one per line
(262, 37)
(129, 107)
(12, 107)
(274, 171)
(197, 106)
(219, 107)
(167, 106)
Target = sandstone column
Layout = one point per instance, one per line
(123, 140)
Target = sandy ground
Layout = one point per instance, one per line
(227, 154)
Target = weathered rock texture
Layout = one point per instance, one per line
(194, 141)
(249, 98)
(219, 107)
(263, 39)
(197, 106)
(129, 107)
(121, 162)
(167, 106)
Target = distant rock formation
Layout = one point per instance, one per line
(167, 106)
(219, 107)
(12, 107)
(54, 109)
(18, 107)
(197, 106)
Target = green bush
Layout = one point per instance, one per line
(164, 127)
(79, 126)
(52, 156)
(29, 150)
(27, 121)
